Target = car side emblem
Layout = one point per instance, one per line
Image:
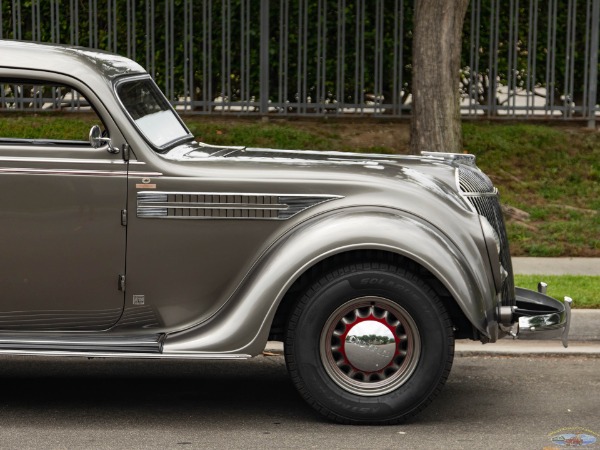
(146, 184)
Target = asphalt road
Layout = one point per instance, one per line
(488, 402)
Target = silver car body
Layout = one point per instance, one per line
(142, 243)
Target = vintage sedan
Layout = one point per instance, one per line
(136, 241)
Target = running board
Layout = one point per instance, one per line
(125, 355)
(81, 344)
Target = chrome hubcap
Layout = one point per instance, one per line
(370, 346)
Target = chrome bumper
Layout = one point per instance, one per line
(539, 316)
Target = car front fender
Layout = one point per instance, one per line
(242, 324)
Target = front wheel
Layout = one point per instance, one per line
(369, 343)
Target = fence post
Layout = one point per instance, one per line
(264, 56)
(593, 78)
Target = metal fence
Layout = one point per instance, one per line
(521, 58)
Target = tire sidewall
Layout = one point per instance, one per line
(416, 298)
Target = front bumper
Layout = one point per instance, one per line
(539, 316)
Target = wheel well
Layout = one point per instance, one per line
(462, 327)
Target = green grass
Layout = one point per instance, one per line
(249, 134)
(551, 173)
(584, 290)
(47, 126)
(284, 135)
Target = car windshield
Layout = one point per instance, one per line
(151, 112)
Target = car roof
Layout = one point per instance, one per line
(76, 61)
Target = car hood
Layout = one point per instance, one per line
(431, 170)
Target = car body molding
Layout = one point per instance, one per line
(221, 205)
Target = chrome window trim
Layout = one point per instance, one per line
(167, 146)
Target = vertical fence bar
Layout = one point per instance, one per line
(206, 55)
(593, 79)
(570, 51)
(188, 39)
(34, 36)
(223, 49)
(551, 58)
(128, 20)
(378, 79)
(531, 57)
(340, 91)
(511, 55)
(167, 52)
(283, 54)
(493, 58)
(57, 21)
(243, 52)
(361, 52)
(306, 94)
(319, 62)
(515, 68)
(586, 58)
(16, 16)
(76, 19)
(171, 70)
(109, 23)
(264, 56)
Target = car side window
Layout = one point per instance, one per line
(44, 112)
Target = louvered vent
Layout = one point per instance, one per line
(199, 205)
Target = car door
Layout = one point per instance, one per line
(63, 243)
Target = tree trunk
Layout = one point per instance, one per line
(435, 124)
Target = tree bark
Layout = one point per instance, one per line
(437, 33)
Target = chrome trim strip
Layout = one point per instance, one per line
(64, 160)
(79, 341)
(269, 207)
(145, 174)
(225, 205)
(205, 356)
(242, 194)
(72, 172)
(480, 194)
(461, 158)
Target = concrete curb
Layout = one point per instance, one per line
(505, 347)
(510, 347)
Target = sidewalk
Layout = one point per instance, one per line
(556, 266)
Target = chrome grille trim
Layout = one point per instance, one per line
(480, 192)
(474, 181)
(216, 205)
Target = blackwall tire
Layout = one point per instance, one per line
(369, 343)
